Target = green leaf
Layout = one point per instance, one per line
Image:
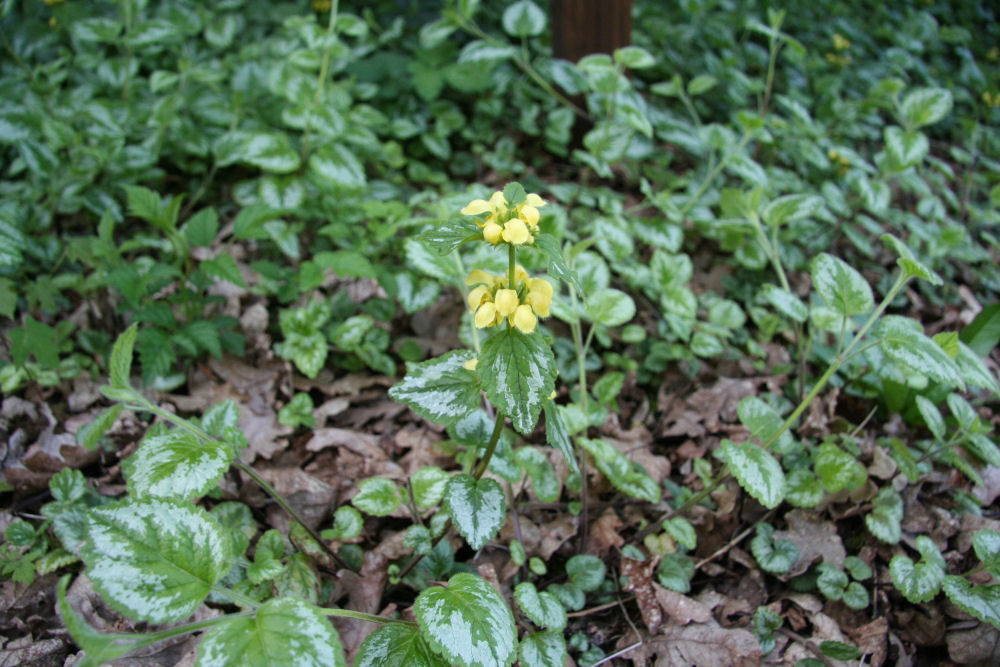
(701, 84)
(757, 471)
(585, 571)
(973, 371)
(177, 465)
(902, 340)
(376, 496)
(786, 303)
(445, 238)
(791, 208)
(154, 560)
(543, 609)
(335, 165)
(558, 268)
(269, 151)
(911, 267)
(90, 434)
(841, 286)
(634, 57)
(610, 307)
(543, 649)
(832, 581)
(100, 648)
(428, 486)
(283, 631)
(983, 333)
(396, 645)
(983, 602)
(763, 421)
(625, 475)
(675, 571)
(905, 148)
(925, 106)
(467, 622)
(987, 546)
(440, 389)
(887, 512)
(201, 228)
(121, 358)
(544, 482)
(855, 596)
(839, 650)
(307, 351)
(682, 531)
(557, 435)
(524, 19)
(570, 595)
(803, 488)
(518, 373)
(477, 507)
(932, 416)
(919, 582)
(223, 267)
(838, 470)
(347, 524)
(143, 203)
(774, 556)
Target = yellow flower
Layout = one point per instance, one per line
(492, 232)
(479, 277)
(478, 296)
(540, 296)
(840, 43)
(506, 302)
(524, 319)
(515, 232)
(471, 364)
(486, 315)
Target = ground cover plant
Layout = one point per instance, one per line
(376, 334)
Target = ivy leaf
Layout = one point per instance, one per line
(468, 622)
(902, 340)
(586, 572)
(855, 596)
(675, 571)
(887, 512)
(397, 645)
(557, 435)
(177, 465)
(154, 560)
(841, 286)
(376, 496)
(838, 470)
(682, 531)
(477, 507)
(987, 546)
(763, 421)
(774, 556)
(542, 608)
(983, 602)
(347, 524)
(832, 581)
(518, 372)
(919, 582)
(543, 649)
(284, 631)
(757, 471)
(440, 389)
(428, 486)
(803, 488)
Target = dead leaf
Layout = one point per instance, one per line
(310, 497)
(816, 539)
(603, 535)
(976, 646)
(640, 581)
(873, 640)
(705, 645)
(681, 608)
(29, 651)
(364, 590)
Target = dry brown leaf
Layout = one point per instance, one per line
(988, 493)
(364, 590)
(27, 650)
(603, 534)
(873, 640)
(816, 539)
(975, 646)
(310, 497)
(681, 608)
(640, 582)
(705, 645)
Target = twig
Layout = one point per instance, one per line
(601, 607)
(808, 643)
(618, 654)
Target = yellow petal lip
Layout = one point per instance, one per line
(485, 315)
(506, 302)
(515, 232)
(530, 215)
(524, 319)
(541, 286)
(534, 200)
(492, 232)
(479, 277)
(477, 206)
(471, 364)
(498, 202)
(477, 296)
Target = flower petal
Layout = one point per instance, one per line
(477, 206)
(506, 301)
(515, 232)
(524, 319)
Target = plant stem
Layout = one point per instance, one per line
(716, 170)
(490, 447)
(361, 616)
(238, 598)
(324, 69)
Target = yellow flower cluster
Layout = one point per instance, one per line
(514, 224)
(840, 44)
(842, 162)
(991, 100)
(493, 300)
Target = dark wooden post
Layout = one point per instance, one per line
(582, 27)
